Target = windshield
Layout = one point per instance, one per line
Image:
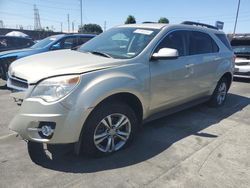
(241, 49)
(43, 43)
(121, 43)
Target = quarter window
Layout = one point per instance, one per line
(224, 40)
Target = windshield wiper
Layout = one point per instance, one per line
(101, 54)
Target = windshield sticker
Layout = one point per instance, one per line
(143, 31)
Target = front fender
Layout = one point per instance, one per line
(99, 85)
(103, 86)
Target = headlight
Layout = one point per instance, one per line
(53, 89)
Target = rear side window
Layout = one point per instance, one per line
(224, 40)
(22, 42)
(201, 43)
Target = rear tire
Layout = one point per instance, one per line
(110, 127)
(219, 95)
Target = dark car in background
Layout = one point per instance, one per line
(12, 43)
(241, 46)
(56, 42)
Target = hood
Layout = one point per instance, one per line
(40, 66)
(19, 53)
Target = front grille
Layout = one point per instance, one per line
(242, 73)
(242, 63)
(18, 83)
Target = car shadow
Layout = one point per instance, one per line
(154, 138)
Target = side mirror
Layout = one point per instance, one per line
(166, 53)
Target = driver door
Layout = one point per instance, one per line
(171, 79)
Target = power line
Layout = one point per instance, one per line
(51, 7)
(26, 17)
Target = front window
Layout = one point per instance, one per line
(121, 43)
(45, 42)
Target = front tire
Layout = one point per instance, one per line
(110, 128)
(36, 152)
(220, 93)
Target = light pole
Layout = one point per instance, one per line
(68, 23)
(81, 10)
(73, 26)
(236, 19)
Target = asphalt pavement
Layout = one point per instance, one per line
(198, 147)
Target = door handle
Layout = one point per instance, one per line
(189, 65)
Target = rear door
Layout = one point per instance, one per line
(203, 59)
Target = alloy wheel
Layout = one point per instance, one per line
(222, 92)
(112, 133)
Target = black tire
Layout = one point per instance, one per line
(88, 146)
(214, 100)
(36, 152)
(2, 73)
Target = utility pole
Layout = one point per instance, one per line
(68, 24)
(236, 19)
(81, 10)
(37, 23)
(1, 24)
(73, 27)
(61, 26)
(105, 25)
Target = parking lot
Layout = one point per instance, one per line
(199, 147)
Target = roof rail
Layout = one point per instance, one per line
(199, 24)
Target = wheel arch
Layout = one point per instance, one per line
(124, 97)
(128, 98)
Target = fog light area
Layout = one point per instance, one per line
(46, 129)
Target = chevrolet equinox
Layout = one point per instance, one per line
(98, 96)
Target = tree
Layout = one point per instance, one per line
(90, 28)
(130, 20)
(163, 20)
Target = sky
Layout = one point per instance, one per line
(114, 12)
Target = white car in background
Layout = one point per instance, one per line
(241, 47)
